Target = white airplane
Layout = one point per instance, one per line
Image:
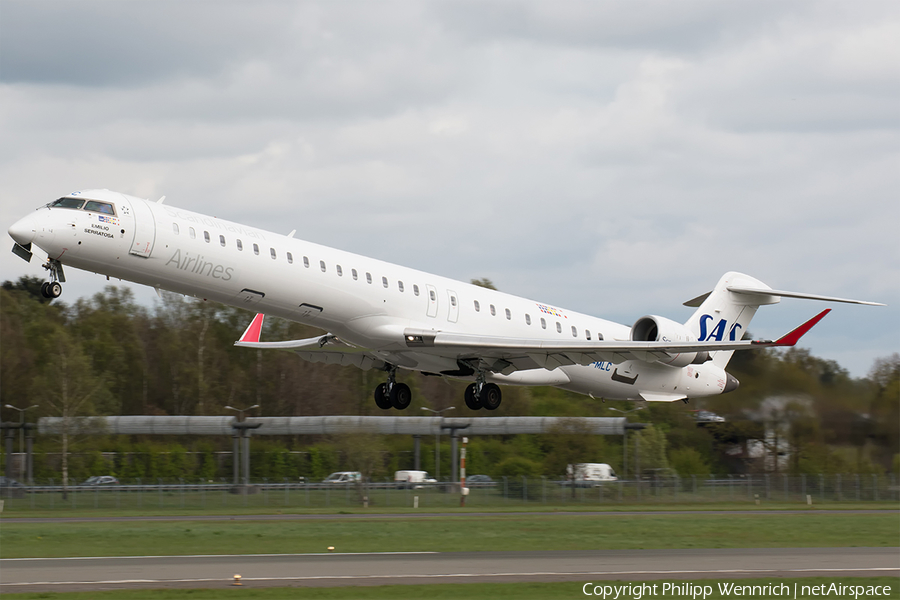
(387, 317)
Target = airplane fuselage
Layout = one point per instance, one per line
(366, 302)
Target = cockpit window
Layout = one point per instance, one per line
(67, 203)
(100, 207)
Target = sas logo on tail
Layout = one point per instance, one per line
(717, 332)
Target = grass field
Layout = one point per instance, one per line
(449, 533)
(21, 508)
(470, 591)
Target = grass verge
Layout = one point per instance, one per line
(449, 534)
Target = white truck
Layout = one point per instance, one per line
(590, 474)
(344, 477)
(412, 479)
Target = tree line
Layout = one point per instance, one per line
(109, 355)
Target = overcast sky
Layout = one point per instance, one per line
(614, 158)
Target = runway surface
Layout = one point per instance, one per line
(100, 573)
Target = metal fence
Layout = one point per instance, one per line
(508, 491)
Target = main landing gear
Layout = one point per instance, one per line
(392, 394)
(483, 395)
(53, 288)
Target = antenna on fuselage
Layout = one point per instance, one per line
(160, 201)
(291, 234)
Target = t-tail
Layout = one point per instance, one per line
(724, 314)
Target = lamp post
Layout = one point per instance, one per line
(625, 439)
(437, 441)
(241, 411)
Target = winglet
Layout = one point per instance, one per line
(793, 337)
(251, 334)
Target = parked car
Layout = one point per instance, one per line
(705, 416)
(344, 477)
(412, 479)
(101, 480)
(10, 488)
(479, 481)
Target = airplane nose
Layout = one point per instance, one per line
(731, 383)
(23, 230)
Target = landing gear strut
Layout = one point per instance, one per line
(392, 394)
(483, 395)
(53, 288)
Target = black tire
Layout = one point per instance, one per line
(491, 396)
(401, 396)
(54, 289)
(471, 401)
(44, 291)
(381, 399)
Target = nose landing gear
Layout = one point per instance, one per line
(53, 288)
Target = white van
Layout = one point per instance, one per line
(590, 474)
(412, 479)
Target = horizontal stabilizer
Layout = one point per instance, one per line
(783, 294)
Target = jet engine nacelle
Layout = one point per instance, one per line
(653, 328)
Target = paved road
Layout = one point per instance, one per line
(412, 515)
(579, 567)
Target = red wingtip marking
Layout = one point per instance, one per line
(251, 334)
(793, 337)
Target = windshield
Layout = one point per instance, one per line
(67, 203)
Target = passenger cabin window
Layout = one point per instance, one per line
(255, 249)
(493, 311)
(175, 228)
(222, 240)
(543, 323)
(574, 331)
(354, 274)
(527, 319)
(192, 233)
(400, 285)
(558, 327)
(272, 253)
(368, 278)
(340, 271)
(240, 245)
(101, 207)
(453, 300)
(206, 236)
(477, 306)
(322, 265)
(384, 282)
(587, 334)
(306, 261)
(432, 296)
(67, 203)
(415, 289)
(508, 315)
(290, 258)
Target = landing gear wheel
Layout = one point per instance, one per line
(54, 289)
(472, 400)
(490, 396)
(381, 397)
(401, 396)
(44, 292)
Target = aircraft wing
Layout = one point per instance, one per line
(325, 348)
(506, 355)
(550, 354)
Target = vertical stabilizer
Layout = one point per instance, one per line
(724, 315)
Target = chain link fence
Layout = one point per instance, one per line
(180, 494)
